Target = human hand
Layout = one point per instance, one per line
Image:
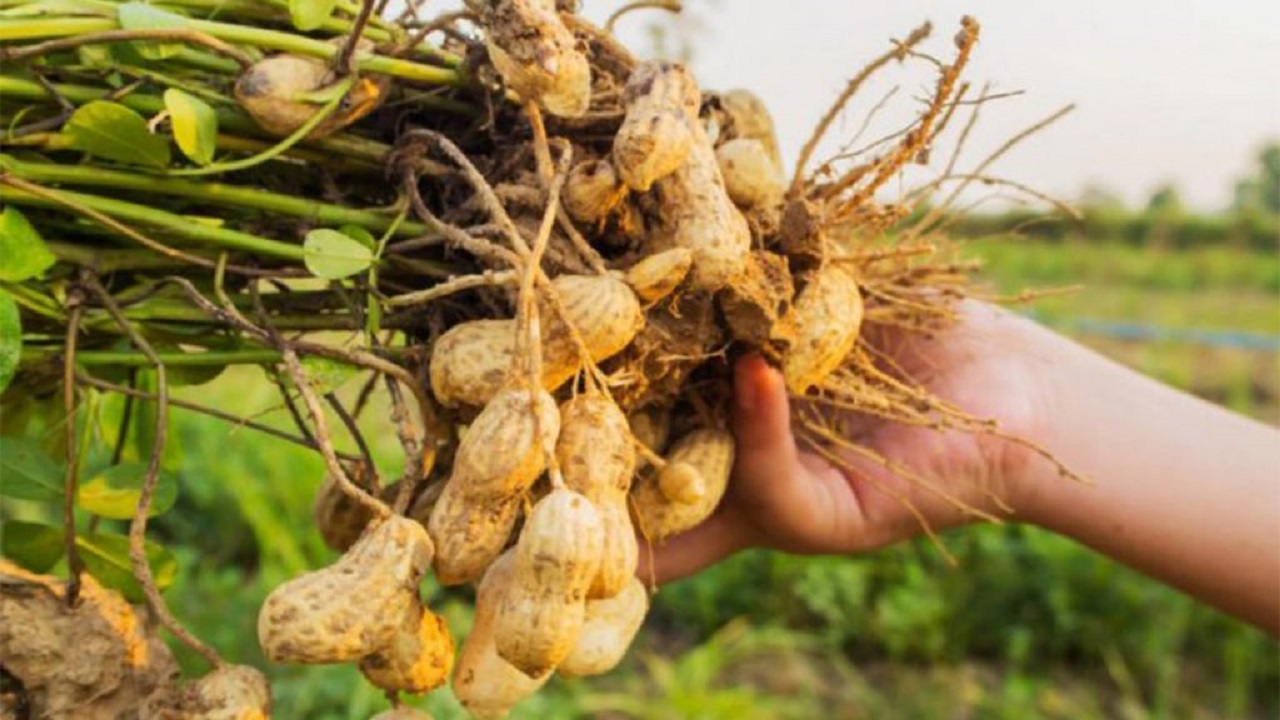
(787, 497)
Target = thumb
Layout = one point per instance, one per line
(761, 425)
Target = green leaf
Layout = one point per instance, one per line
(355, 232)
(195, 125)
(309, 15)
(113, 493)
(27, 473)
(23, 254)
(34, 546)
(331, 255)
(106, 557)
(113, 131)
(141, 16)
(10, 339)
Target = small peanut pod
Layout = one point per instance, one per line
(230, 692)
(469, 535)
(658, 275)
(688, 489)
(751, 120)
(268, 92)
(651, 426)
(353, 607)
(339, 517)
(501, 455)
(610, 627)
(591, 191)
(828, 318)
(537, 56)
(656, 136)
(557, 558)
(472, 361)
(699, 215)
(486, 685)
(418, 660)
(597, 456)
(751, 177)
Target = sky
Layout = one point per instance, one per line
(1183, 92)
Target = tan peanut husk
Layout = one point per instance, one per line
(557, 558)
(611, 624)
(418, 660)
(827, 316)
(486, 685)
(657, 276)
(657, 133)
(703, 458)
(353, 607)
(231, 692)
(597, 457)
(537, 56)
(471, 361)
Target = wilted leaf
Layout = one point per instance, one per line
(113, 131)
(10, 340)
(331, 255)
(113, 493)
(141, 16)
(23, 254)
(309, 15)
(27, 473)
(195, 125)
(106, 557)
(34, 546)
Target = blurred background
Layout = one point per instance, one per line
(1172, 158)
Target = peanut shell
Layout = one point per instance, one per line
(704, 455)
(418, 660)
(611, 624)
(827, 317)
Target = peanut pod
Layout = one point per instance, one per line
(610, 627)
(486, 685)
(688, 489)
(656, 135)
(827, 319)
(418, 660)
(269, 92)
(353, 607)
(230, 692)
(537, 56)
(472, 360)
(750, 176)
(596, 454)
(657, 276)
(557, 557)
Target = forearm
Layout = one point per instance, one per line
(1182, 490)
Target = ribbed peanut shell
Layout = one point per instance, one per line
(591, 191)
(750, 176)
(707, 452)
(651, 426)
(339, 517)
(418, 660)
(469, 535)
(611, 624)
(557, 558)
(597, 457)
(697, 214)
(751, 120)
(506, 447)
(472, 361)
(537, 56)
(656, 135)
(353, 607)
(231, 692)
(266, 91)
(828, 318)
(658, 275)
(486, 685)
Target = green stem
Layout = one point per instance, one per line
(108, 260)
(174, 225)
(26, 29)
(171, 359)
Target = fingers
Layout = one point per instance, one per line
(762, 424)
(722, 535)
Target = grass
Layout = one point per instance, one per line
(1029, 625)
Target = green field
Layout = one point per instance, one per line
(1027, 625)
